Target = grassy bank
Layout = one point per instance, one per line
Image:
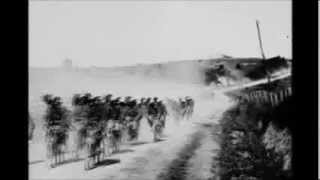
(255, 139)
(239, 69)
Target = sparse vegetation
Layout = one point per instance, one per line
(260, 69)
(213, 74)
(253, 69)
(255, 140)
(248, 149)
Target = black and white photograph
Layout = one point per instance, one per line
(160, 90)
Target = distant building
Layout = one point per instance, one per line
(67, 64)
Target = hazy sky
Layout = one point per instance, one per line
(121, 33)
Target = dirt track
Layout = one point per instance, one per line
(187, 150)
(146, 159)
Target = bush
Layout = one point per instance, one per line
(213, 74)
(243, 154)
(270, 65)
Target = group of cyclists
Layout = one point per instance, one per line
(182, 108)
(186, 107)
(100, 124)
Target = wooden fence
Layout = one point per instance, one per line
(265, 97)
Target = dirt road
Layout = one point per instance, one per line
(186, 151)
(148, 160)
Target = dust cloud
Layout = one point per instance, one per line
(164, 81)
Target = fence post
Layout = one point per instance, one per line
(281, 96)
(290, 91)
(276, 99)
(285, 92)
(254, 96)
(260, 97)
(273, 99)
(270, 98)
(265, 96)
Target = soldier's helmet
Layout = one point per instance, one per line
(134, 102)
(108, 96)
(127, 98)
(155, 99)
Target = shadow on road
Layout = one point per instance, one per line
(70, 161)
(159, 140)
(165, 135)
(124, 151)
(36, 162)
(139, 143)
(58, 164)
(106, 162)
(205, 125)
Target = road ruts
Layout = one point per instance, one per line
(154, 159)
(178, 167)
(202, 163)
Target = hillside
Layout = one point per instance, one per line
(194, 71)
(256, 137)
